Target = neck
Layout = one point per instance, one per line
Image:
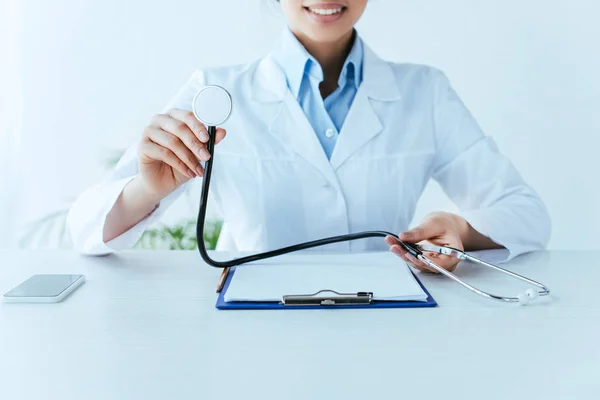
(330, 55)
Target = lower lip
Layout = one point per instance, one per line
(325, 18)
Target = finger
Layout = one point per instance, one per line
(410, 259)
(184, 133)
(154, 151)
(220, 135)
(192, 122)
(413, 262)
(420, 265)
(175, 145)
(444, 261)
(390, 240)
(400, 251)
(426, 230)
(397, 250)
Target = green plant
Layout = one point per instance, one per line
(180, 236)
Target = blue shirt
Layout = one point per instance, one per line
(304, 74)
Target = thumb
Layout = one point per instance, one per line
(424, 231)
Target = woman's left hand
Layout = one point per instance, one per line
(439, 228)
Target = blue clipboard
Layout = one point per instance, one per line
(252, 305)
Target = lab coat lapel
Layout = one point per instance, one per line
(288, 123)
(362, 123)
(360, 126)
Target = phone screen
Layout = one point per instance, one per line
(43, 286)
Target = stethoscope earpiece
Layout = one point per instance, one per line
(523, 299)
(527, 296)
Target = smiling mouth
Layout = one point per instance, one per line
(325, 13)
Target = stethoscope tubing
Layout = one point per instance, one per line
(523, 298)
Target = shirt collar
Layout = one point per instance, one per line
(296, 62)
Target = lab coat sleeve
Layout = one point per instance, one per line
(487, 188)
(87, 215)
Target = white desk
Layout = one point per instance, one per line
(144, 326)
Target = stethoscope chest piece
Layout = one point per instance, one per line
(212, 105)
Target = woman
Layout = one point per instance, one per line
(325, 139)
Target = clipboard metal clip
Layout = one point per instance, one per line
(332, 299)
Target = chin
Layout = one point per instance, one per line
(325, 35)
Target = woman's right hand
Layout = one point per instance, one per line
(171, 149)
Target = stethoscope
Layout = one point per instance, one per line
(212, 106)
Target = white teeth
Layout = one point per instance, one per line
(325, 11)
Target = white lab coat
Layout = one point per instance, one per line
(275, 186)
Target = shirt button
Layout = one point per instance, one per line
(329, 133)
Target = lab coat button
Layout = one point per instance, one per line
(329, 133)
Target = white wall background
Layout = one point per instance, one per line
(93, 72)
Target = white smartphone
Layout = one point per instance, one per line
(44, 289)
